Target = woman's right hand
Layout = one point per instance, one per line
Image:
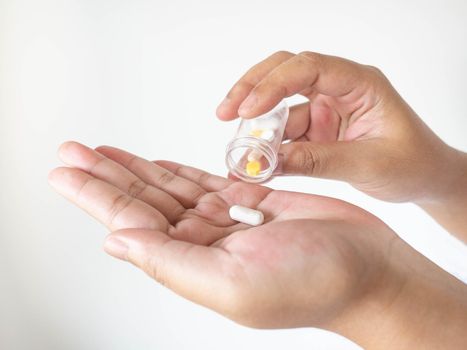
(356, 128)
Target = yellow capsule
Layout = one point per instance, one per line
(256, 132)
(253, 168)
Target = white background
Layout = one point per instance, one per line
(146, 76)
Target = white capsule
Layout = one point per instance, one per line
(254, 155)
(265, 123)
(267, 135)
(246, 215)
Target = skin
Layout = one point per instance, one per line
(316, 261)
(355, 128)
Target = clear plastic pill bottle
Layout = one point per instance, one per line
(252, 154)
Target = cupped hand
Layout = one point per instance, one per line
(312, 259)
(355, 127)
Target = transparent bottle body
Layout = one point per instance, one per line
(257, 139)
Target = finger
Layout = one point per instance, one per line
(204, 224)
(314, 121)
(198, 273)
(298, 121)
(228, 109)
(305, 73)
(186, 192)
(101, 167)
(210, 182)
(106, 203)
(214, 209)
(340, 160)
(325, 123)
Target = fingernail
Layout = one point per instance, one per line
(117, 248)
(248, 104)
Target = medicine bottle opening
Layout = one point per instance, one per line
(251, 156)
(238, 159)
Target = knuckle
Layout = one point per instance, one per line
(83, 188)
(165, 178)
(374, 69)
(131, 163)
(203, 178)
(282, 54)
(155, 265)
(156, 269)
(97, 164)
(118, 204)
(311, 57)
(136, 188)
(241, 85)
(197, 194)
(177, 171)
(306, 159)
(375, 73)
(273, 86)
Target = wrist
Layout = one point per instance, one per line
(415, 304)
(450, 180)
(449, 205)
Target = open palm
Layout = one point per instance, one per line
(311, 256)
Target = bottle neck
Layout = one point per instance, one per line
(237, 158)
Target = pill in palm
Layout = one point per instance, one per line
(246, 215)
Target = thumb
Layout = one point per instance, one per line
(340, 160)
(195, 272)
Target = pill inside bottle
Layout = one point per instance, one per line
(251, 156)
